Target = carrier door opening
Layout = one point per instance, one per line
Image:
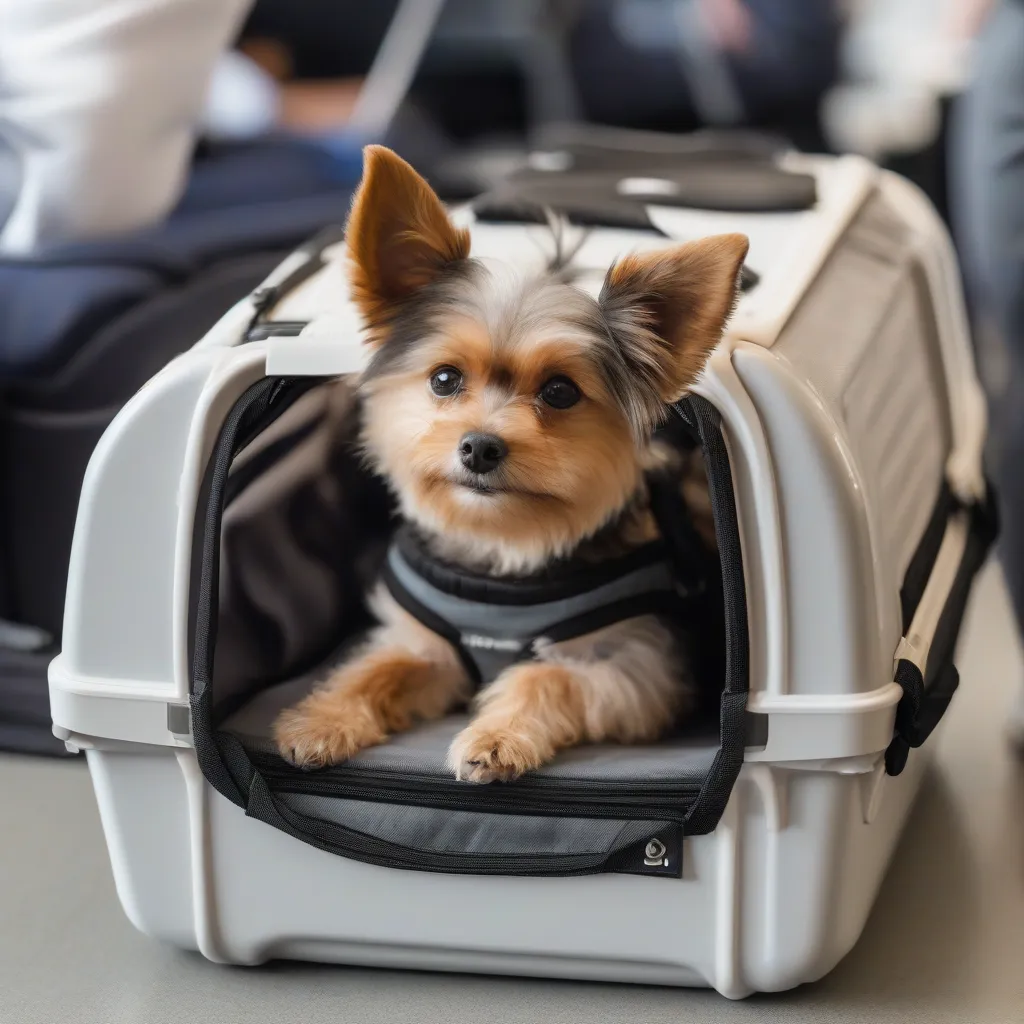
(295, 532)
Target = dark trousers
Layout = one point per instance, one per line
(987, 176)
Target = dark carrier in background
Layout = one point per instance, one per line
(82, 328)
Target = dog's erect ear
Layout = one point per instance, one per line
(667, 309)
(399, 237)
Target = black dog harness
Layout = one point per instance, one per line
(493, 623)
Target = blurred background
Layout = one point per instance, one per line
(469, 82)
(159, 157)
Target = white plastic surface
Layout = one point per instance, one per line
(774, 898)
(779, 893)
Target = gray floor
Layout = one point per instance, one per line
(944, 944)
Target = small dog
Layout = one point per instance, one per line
(512, 418)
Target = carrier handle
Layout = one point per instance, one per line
(924, 660)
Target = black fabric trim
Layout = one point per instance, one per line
(561, 582)
(706, 811)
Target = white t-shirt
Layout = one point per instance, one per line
(100, 100)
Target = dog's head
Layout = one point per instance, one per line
(511, 413)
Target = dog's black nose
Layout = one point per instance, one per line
(482, 453)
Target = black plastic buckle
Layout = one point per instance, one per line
(919, 711)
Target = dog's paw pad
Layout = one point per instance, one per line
(307, 739)
(481, 754)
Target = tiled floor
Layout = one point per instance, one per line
(944, 944)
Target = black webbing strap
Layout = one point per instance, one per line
(919, 711)
(915, 579)
(927, 695)
(266, 298)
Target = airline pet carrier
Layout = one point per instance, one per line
(226, 526)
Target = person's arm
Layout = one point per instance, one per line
(100, 100)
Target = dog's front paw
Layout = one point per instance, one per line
(489, 752)
(313, 735)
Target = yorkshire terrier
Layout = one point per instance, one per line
(512, 415)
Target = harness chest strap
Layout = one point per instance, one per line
(494, 623)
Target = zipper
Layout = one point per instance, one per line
(531, 795)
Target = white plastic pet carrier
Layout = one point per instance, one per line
(225, 524)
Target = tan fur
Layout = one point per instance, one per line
(398, 237)
(624, 683)
(571, 483)
(567, 473)
(405, 674)
(681, 299)
(525, 717)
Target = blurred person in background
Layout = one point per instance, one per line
(902, 63)
(101, 101)
(987, 161)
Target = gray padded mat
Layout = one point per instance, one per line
(679, 759)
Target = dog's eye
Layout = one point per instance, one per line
(445, 382)
(560, 393)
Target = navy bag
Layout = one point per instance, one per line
(82, 327)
